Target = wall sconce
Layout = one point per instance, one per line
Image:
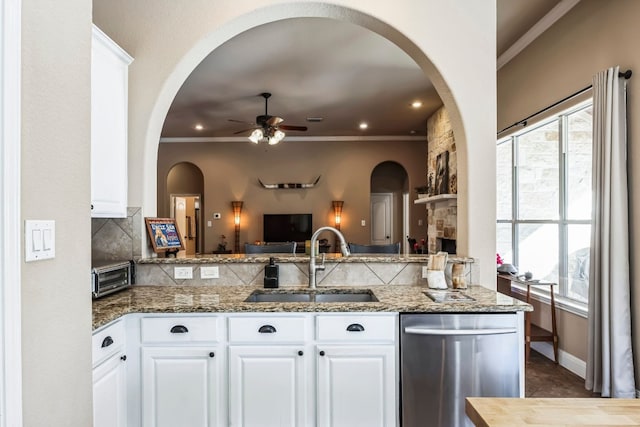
(237, 210)
(337, 212)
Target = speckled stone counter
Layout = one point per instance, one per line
(243, 269)
(228, 299)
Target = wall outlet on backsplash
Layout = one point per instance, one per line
(183, 273)
(209, 273)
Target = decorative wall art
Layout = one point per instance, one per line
(164, 234)
(442, 173)
(289, 185)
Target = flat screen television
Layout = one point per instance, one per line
(287, 227)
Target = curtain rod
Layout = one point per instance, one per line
(523, 122)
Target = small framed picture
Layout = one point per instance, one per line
(164, 235)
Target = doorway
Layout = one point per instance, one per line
(389, 203)
(185, 208)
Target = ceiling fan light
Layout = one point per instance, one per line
(277, 137)
(256, 136)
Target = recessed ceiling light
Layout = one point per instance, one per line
(198, 127)
(416, 104)
(363, 125)
(315, 119)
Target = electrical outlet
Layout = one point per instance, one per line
(209, 273)
(183, 273)
(425, 272)
(363, 223)
(209, 223)
(419, 223)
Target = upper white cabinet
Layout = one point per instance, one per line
(109, 101)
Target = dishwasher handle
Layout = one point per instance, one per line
(417, 330)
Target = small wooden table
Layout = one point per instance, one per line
(533, 332)
(511, 412)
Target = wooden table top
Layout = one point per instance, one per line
(545, 412)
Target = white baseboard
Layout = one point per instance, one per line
(566, 360)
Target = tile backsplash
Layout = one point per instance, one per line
(117, 238)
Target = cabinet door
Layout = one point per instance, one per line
(110, 393)
(268, 386)
(109, 97)
(181, 387)
(356, 385)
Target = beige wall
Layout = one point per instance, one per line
(444, 38)
(231, 171)
(593, 36)
(56, 302)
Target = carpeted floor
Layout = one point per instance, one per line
(543, 378)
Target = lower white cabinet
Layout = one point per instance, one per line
(180, 386)
(268, 385)
(110, 392)
(356, 385)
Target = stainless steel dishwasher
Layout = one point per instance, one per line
(448, 357)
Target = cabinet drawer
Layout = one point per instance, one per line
(180, 329)
(268, 329)
(107, 342)
(355, 328)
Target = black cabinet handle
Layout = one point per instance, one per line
(355, 327)
(179, 329)
(267, 329)
(300, 353)
(107, 341)
(123, 357)
(321, 352)
(212, 354)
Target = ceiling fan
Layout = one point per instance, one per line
(267, 127)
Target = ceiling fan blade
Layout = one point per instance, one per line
(245, 130)
(274, 120)
(291, 127)
(241, 121)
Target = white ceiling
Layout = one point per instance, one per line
(317, 67)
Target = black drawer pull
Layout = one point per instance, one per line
(123, 357)
(267, 329)
(300, 353)
(107, 341)
(321, 352)
(355, 327)
(179, 329)
(212, 354)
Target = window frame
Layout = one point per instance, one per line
(562, 222)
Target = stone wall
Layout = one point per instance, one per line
(117, 239)
(442, 217)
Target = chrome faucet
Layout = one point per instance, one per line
(312, 257)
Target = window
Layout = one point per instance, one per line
(544, 201)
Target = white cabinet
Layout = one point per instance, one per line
(269, 371)
(109, 102)
(268, 385)
(110, 392)
(356, 370)
(109, 376)
(356, 385)
(182, 372)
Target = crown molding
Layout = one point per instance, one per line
(394, 138)
(534, 32)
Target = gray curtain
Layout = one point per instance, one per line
(610, 359)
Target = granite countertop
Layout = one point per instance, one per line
(230, 299)
(264, 258)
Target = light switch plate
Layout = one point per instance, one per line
(209, 273)
(39, 240)
(183, 272)
(363, 222)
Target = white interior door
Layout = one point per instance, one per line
(180, 214)
(381, 218)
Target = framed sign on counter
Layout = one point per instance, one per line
(164, 235)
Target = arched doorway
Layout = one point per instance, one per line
(184, 201)
(389, 204)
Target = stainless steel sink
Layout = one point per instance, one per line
(318, 296)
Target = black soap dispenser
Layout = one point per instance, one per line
(271, 274)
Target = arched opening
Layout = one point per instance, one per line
(183, 199)
(389, 204)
